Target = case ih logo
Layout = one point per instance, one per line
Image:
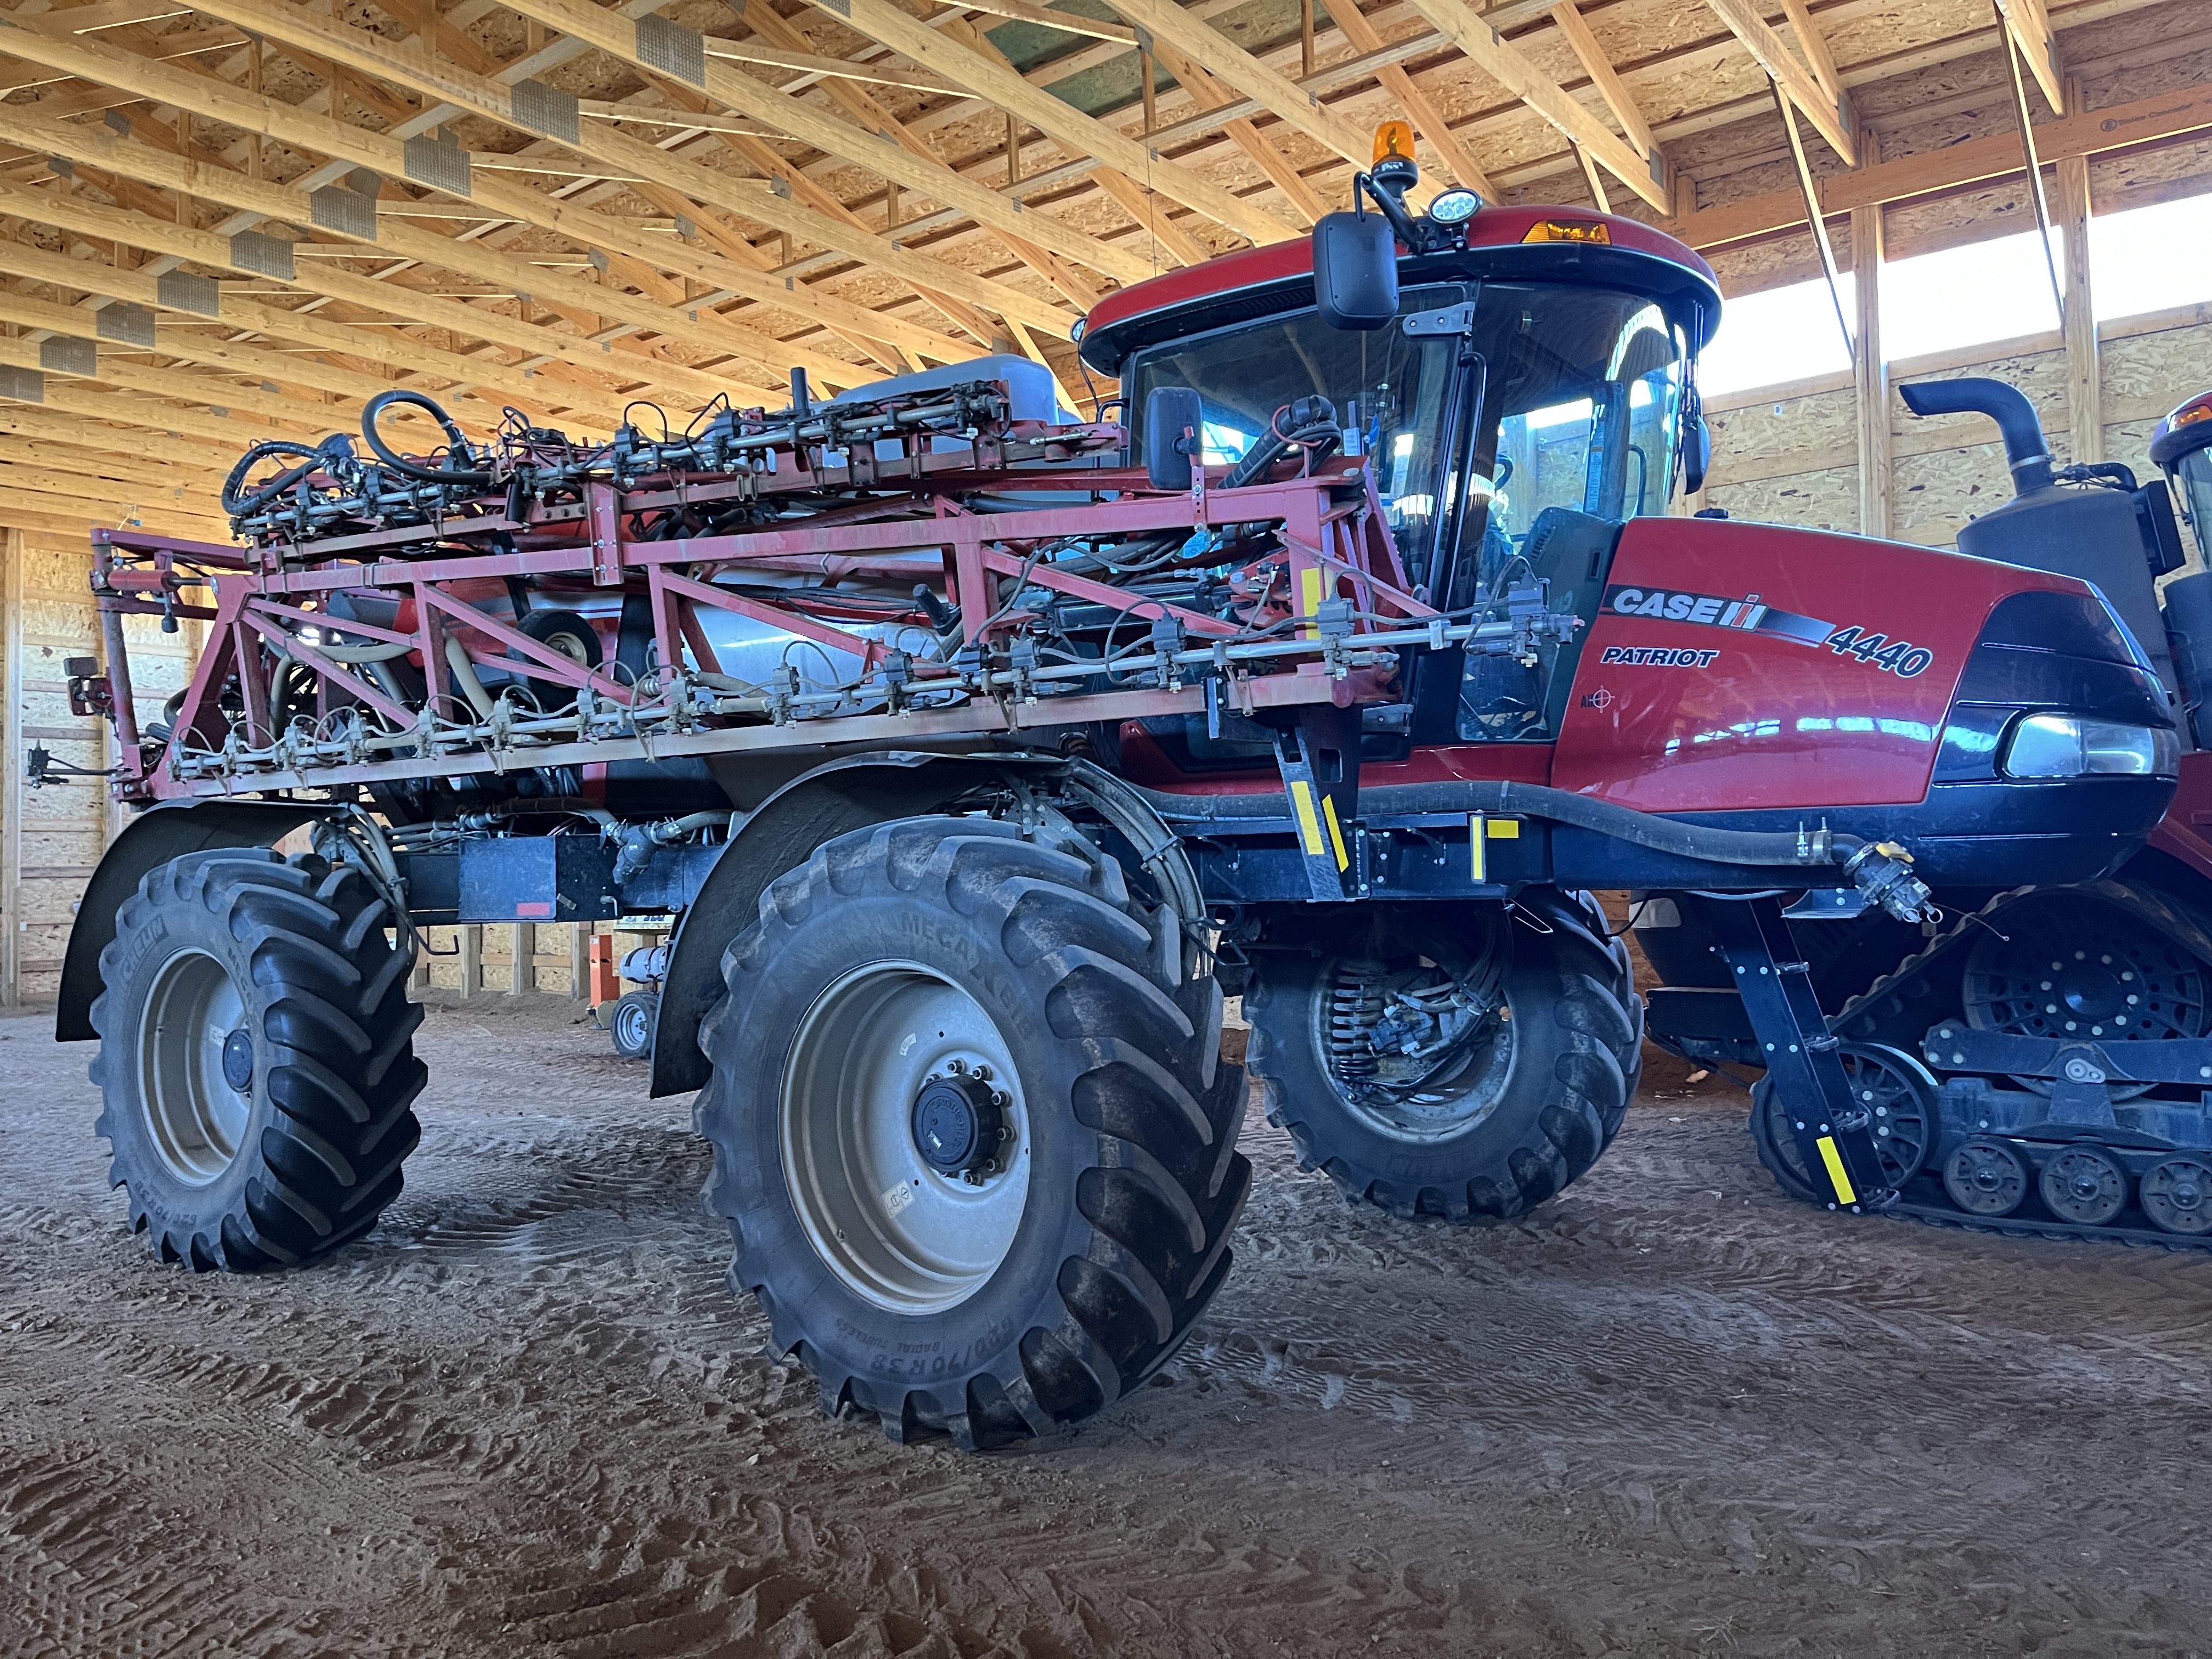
(1745, 615)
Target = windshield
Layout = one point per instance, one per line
(1244, 374)
(1582, 391)
(2193, 472)
(1585, 393)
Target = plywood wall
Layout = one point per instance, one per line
(1789, 455)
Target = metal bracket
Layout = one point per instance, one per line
(1445, 320)
(1834, 1134)
(1319, 760)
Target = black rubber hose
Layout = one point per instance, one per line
(1765, 849)
(398, 463)
(236, 505)
(2025, 452)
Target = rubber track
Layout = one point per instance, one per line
(1169, 1184)
(1861, 1020)
(331, 993)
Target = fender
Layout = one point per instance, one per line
(148, 842)
(844, 795)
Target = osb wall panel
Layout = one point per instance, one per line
(1827, 500)
(1764, 440)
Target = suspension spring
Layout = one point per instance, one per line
(1355, 1010)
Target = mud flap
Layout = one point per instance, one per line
(1834, 1134)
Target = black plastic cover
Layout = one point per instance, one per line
(1175, 423)
(1355, 272)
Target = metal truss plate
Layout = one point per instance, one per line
(127, 324)
(60, 355)
(345, 211)
(673, 49)
(441, 163)
(180, 290)
(550, 111)
(22, 385)
(264, 256)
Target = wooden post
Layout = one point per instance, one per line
(1149, 90)
(1305, 38)
(1870, 372)
(471, 960)
(579, 966)
(525, 976)
(11, 773)
(2085, 402)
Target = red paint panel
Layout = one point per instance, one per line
(533, 909)
(2185, 831)
(1774, 717)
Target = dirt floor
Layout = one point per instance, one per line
(1670, 1412)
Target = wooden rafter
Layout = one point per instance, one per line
(1830, 114)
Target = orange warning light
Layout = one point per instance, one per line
(1394, 141)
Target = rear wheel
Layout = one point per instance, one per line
(256, 1065)
(970, 1132)
(1461, 1062)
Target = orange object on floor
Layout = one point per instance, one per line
(607, 984)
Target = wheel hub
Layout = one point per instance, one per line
(238, 1060)
(958, 1122)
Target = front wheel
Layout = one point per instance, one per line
(256, 1068)
(1457, 1061)
(971, 1131)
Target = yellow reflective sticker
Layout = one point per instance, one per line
(1506, 828)
(1336, 834)
(1309, 826)
(1476, 839)
(1310, 590)
(1836, 1178)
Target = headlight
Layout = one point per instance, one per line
(2067, 746)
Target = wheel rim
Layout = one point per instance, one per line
(1984, 1178)
(2177, 1195)
(2084, 1186)
(194, 1113)
(1420, 1048)
(1899, 1092)
(2083, 968)
(630, 1029)
(907, 1236)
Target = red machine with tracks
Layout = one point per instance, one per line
(979, 748)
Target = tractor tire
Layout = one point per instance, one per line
(971, 1132)
(256, 1067)
(629, 1025)
(1534, 1103)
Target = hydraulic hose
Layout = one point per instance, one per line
(238, 505)
(1758, 849)
(398, 463)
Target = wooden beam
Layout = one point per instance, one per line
(1815, 48)
(1428, 119)
(1486, 49)
(1870, 373)
(409, 357)
(416, 69)
(1831, 117)
(2028, 23)
(1264, 154)
(2169, 115)
(1600, 70)
(2084, 373)
(78, 493)
(610, 32)
(1152, 217)
(99, 146)
(164, 84)
(1218, 55)
(884, 23)
(82, 419)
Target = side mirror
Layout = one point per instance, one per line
(1355, 264)
(1697, 446)
(1175, 423)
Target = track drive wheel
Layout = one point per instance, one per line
(971, 1131)
(1465, 1062)
(256, 1066)
(1896, 1090)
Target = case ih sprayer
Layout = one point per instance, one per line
(980, 750)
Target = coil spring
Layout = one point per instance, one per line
(1355, 1010)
